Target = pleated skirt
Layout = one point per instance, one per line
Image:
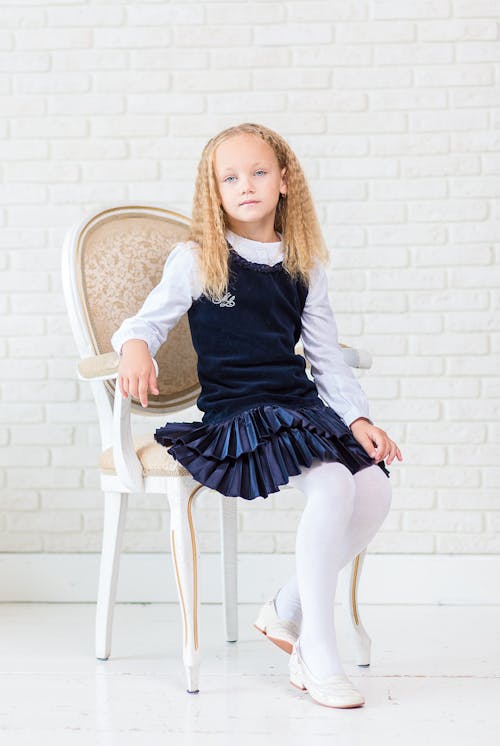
(255, 452)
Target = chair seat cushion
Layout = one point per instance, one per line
(155, 459)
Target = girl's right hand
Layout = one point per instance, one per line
(136, 372)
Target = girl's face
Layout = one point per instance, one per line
(249, 181)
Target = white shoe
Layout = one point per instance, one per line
(335, 691)
(282, 632)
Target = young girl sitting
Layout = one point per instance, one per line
(252, 280)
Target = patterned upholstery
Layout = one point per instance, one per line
(120, 258)
(155, 459)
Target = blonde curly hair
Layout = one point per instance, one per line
(295, 216)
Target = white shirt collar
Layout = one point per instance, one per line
(256, 251)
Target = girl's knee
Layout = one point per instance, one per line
(384, 483)
(372, 478)
(328, 478)
(335, 471)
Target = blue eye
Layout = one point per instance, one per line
(260, 171)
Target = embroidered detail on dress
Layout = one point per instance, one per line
(227, 300)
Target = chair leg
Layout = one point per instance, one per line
(360, 640)
(115, 510)
(229, 558)
(186, 557)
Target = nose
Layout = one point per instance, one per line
(246, 184)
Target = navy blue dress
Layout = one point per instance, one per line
(263, 418)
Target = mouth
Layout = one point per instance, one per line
(250, 202)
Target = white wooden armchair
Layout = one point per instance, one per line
(111, 260)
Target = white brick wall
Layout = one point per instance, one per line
(392, 106)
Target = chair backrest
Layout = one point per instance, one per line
(119, 254)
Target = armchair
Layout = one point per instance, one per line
(111, 260)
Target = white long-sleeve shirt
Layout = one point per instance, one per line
(181, 284)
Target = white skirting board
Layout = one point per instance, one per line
(146, 578)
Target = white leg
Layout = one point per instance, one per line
(229, 558)
(115, 509)
(185, 556)
(373, 502)
(329, 488)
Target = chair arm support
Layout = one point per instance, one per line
(353, 357)
(128, 466)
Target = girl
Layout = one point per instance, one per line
(252, 279)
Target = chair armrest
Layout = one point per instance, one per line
(102, 367)
(99, 367)
(353, 357)
(357, 358)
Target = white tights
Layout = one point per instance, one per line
(343, 512)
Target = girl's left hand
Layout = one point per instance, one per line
(375, 441)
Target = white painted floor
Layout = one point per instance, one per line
(434, 678)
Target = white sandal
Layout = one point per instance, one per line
(282, 632)
(335, 691)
